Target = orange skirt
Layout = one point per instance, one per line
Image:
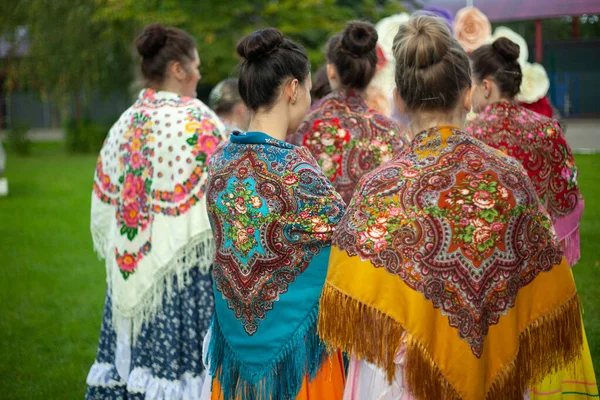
(328, 384)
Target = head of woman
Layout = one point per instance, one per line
(274, 77)
(225, 100)
(433, 74)
(352, 56)
(497, 74)
(169, 59)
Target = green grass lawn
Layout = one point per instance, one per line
(52, 284)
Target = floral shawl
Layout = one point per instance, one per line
(149, 218)
(447, 251)
(348, 139)
(539, 145)
(273, 213)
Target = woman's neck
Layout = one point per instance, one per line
(273, 122)
(423, 121)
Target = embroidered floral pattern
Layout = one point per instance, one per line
(272, 210)
(138, 164)
(538, 144)
(456, 221)
(348, 139)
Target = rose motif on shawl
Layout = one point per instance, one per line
(471, 28)
(267, 225)
(447, 224)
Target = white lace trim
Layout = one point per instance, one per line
(99, 375)
(188, 387)
(199, 252)
(141, 380)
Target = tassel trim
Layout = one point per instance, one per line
(550, 342)
(280, 377)
(571, 247)
(198, 252)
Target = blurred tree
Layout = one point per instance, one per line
(78, 47)
(70, 53)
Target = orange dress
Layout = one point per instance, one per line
(328, 384)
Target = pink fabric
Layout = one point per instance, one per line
(366, 381)
(567, 230)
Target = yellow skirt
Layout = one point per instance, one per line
(328, 384)
(573, 382)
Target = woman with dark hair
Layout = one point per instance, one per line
(346, 137)
(536, 141)
(446, 280)
(273, 213)
(149, 222)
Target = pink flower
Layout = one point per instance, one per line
(133, 186)
(565, 173)
(304, 215)
(465, 192)
(362, 238)
(471, 28)
(179, 193)
(136, 160)
(131, 215)
(464, 221)
(127, 262)
(250, 230)
(207, 126)
(380, 245)
(497, 226)
(467, 208)
(327, 139)
(503, 192)
(207, 143)
(482, 199)
(105, 182)
(482, 235)
(395, 211)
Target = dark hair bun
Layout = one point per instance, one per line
(359, 38)
(259, 44)
(152, 39)
(507, 49)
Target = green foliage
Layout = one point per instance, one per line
(85, 135)
(17, 139)
(80, 46)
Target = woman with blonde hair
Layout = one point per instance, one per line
(446, 280)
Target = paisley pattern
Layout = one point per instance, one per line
(458, 222)
(348, 139)
(539, 145)
(272, 211)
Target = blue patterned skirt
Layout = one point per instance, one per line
(166, 360)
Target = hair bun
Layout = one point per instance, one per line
(259, 44)
(507, 49)
(152, 39)
(359, 38)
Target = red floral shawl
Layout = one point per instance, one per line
(539, 145)
(348, 139)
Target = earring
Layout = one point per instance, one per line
(487, 95)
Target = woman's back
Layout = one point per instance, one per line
(348, 139)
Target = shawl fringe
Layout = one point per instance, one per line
(571, 247)
(281, 377)
(552, 341)
(199, 252)
(100, 243)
